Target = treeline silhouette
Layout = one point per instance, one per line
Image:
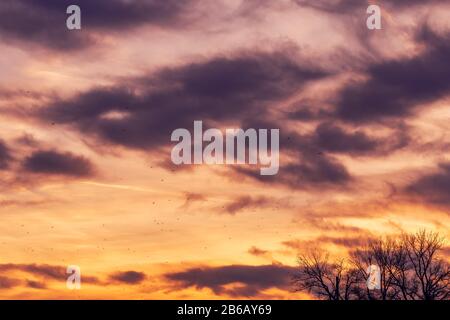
(411, 267)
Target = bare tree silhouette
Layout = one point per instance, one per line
(325, 279)
(429, 276)
(380, 253)
(410, 269)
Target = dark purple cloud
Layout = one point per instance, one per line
(128, 277)
(239, 88)
(242, 88)
(312, 162)
(307, 112)
(5, 155)
(43, 22)
(8, 283)
(433, 188)
(396, 87)
(35, 284)
(331, 138)
(352, 6)
(32, 22)
(311, 171)
(255, 251)
(220, 89)
(43, 270)
(252, 279)
(247, 202)
(56, 163)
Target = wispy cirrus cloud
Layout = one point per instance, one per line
(45, 271)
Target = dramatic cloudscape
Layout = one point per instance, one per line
(86, 117)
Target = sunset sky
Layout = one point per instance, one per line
(86, 117)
